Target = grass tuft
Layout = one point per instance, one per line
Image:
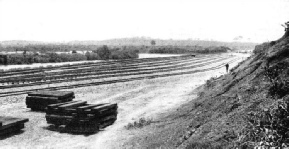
(139, 124)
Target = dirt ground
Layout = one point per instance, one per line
(148, 99)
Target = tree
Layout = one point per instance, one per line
(103, 52)
(286, 26)
(153, 42)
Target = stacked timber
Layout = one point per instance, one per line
(39, 100)
(10, 125)
(80, 117)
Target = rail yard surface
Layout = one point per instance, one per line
(142, 88)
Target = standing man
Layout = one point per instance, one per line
(227, 67)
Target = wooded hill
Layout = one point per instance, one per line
(141, 42)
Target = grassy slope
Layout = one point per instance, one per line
(219, 112)
(216, 118)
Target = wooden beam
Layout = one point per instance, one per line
(103, 107)
(71, 105)
(82, 108)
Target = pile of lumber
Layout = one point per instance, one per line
(39, 100)
(10, 125)
(80, 117)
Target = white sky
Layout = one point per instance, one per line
(65, 20)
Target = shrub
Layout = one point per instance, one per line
(171, 50)
(261, 48)
(71, 57)
(91, 56)
(279, 84)
(186, 50)
(268, 128)
(124, 54)
(45, 57)
(139, 124)
(210, 83)
(103, 52)
(41, 59)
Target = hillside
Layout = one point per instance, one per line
(218, 115)
(161, 42)
(144, 42)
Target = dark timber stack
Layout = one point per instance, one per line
(80, 117)
(40, 99)
(11, 124)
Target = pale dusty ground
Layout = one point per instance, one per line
(136, 99)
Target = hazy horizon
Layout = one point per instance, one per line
(94, 20)
(129, 38)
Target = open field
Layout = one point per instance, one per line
(143, 88)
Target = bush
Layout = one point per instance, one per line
(213, 49)
(268, 128)
(103, 52)
(43, 58)
(261, 48)
(91, 56)
(211, 82)
(71, 57)
(186, 50)
(169, 50)
(139, 124)
(279, 84)
(16, 59)
(124, 54)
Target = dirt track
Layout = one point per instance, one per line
(136, 99)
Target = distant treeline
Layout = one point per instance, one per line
(45, 48)
(189, 49)
(34, 56)
(137, 42)
(46, 53)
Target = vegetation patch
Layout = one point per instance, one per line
(279, 83)
(101, 53)
(139, 123)
(190, 49)
(268, 128)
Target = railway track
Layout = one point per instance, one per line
(99, 68)
(136, 75)
(91, 72)
(114, 74)
(88, 64)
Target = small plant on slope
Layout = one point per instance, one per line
(268, 128)
(279, 85)
(139, 124)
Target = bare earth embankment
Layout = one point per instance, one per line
(154, 99)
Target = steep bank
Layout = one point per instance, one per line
(217, 115)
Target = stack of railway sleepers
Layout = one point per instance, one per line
(10, 125)
(39, 100)
(80, 117)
